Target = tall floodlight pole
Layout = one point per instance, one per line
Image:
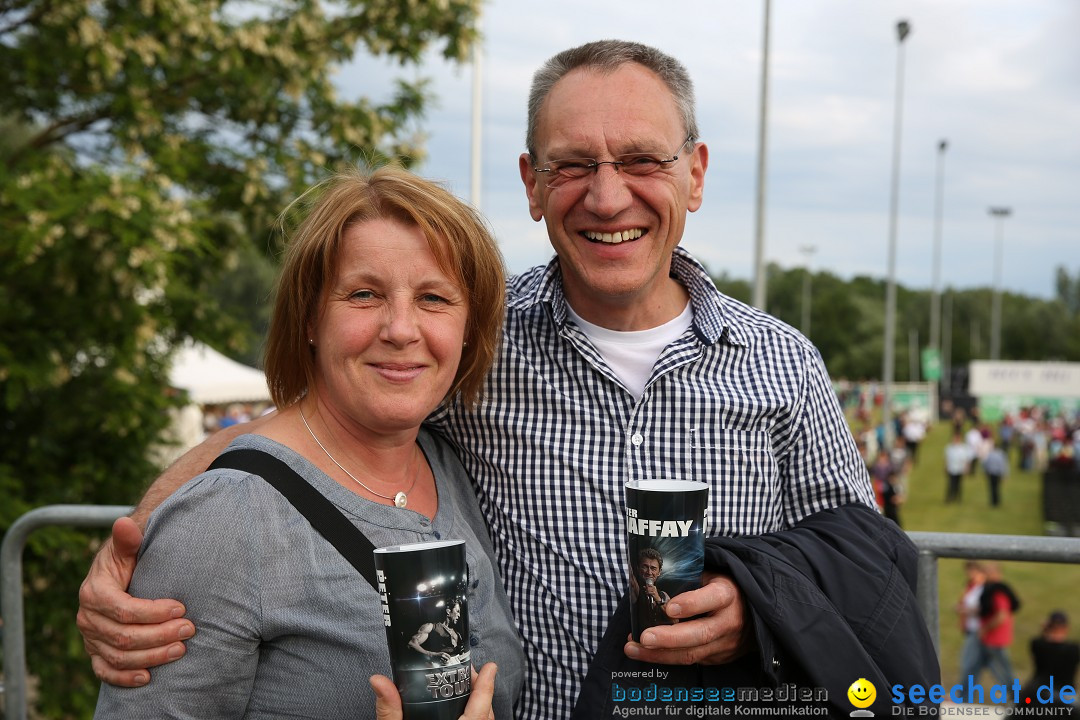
(999, 214)
(903, 29)
(946, 351)
(759, 215)
(475, 160)
(808, 251)
(935, 293)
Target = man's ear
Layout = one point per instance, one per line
(525, 167)
(697, 176)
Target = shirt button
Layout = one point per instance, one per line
(473, 640)
(637, 439)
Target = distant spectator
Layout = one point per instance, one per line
(997, 605)
(974, 440)
(1055, 658)
(957, 462)
(996, 467)
(234, 416)
(914, 432)
(886, 487)
(972, 657)
(1005, 434)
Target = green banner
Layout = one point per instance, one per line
(931, 364)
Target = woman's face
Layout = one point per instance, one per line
(388, 339)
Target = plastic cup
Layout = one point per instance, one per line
(665, 532)
(425, 609)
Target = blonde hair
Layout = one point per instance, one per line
(457, 235)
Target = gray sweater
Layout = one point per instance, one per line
(285, 626)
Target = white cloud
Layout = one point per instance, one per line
(1000, 79)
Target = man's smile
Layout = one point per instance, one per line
(614, 238)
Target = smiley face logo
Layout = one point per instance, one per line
(862, 693)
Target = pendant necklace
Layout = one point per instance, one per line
(399, 500)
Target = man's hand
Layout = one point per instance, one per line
(124, 635)
(388, 701)
(722, 635)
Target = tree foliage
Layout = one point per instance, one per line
(847, 320)
(147, 146)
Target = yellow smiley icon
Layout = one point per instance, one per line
(862, 693)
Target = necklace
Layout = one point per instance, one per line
(399, 500)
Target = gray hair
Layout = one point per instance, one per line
(607, 56)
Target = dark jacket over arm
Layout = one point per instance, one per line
(832, 600)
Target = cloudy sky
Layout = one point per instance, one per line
(998, 79)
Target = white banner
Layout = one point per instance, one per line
(1039, 379)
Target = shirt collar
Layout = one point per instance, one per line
(712, 320)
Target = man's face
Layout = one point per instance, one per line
(592, 115)
(649, 568)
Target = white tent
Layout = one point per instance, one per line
(211, 378)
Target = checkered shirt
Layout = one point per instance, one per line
(740, 401)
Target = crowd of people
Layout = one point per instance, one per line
(1031, 439)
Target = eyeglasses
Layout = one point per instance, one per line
(636, 164)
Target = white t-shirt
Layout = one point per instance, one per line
(970, 605)
(632, 354)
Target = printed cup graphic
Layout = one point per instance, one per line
(665, 534)
(425, 609)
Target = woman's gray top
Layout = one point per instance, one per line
(285, 626)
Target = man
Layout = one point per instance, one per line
(620, 361)
(958, 458)
(972, 655)
(997, 604)
(440, 643)
(648, 600)
(996, 467)
(1055, 658)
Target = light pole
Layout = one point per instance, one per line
(935, 294)
(946, 351)
(999, 213)
(903, 29)
(475, 156)
(759, 215)
(808, 251)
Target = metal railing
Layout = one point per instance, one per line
(11, 598)
(931, 545)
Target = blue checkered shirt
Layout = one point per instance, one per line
(740, 401)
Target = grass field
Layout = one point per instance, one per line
(1042, 587)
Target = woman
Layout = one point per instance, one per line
(389, 302)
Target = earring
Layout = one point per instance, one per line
(310, 341)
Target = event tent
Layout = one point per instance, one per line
(213, 379)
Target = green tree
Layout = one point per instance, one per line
(147, 145)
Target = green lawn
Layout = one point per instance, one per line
(1042, 587)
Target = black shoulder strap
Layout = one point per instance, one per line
(320, 512)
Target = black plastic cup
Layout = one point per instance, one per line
(665, 532)
(425, 608)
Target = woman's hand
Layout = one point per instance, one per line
(388, 701)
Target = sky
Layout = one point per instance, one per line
(999, 80)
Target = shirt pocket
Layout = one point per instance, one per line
(741, 470)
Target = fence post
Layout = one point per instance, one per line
(927, 594)
(11, 598)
